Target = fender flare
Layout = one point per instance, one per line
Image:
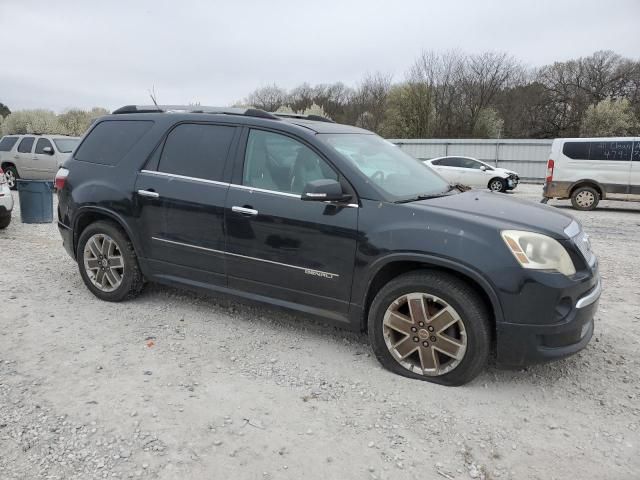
(107, 213)
(436, 261)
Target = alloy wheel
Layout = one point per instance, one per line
(585, 198)
(10, 177)
(103, 262)
(424, 334)
(496, 186)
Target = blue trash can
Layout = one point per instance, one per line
(36, 201)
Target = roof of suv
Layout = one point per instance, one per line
(314, 123)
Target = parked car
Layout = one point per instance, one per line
(34, 157)
(474, 173)
(6, 202)
(588, 170)
(287, 210)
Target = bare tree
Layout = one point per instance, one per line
(269, 98)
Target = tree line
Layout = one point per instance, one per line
(73, 122)
(488, 95)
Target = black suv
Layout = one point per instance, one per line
(334, 222)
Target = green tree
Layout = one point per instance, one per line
(4, 110)
(610, 118)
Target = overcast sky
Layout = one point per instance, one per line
(61, 54)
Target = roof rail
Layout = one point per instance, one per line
(249, 112)
(315, 118)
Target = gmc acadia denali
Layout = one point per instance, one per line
(334, 222)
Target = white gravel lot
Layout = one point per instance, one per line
(180, 385)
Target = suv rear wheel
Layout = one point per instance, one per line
(108, 263)
(430, 326)
(585, 198)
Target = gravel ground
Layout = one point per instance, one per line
(178, 385)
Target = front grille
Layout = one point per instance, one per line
(581, 241)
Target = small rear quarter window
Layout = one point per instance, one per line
(7, 143)
(111, 140)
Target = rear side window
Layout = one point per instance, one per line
(636, 152)
(198, 151)
(576, 150)
(26, 144)
(610, 151)
(7, 143)
(452, 162)
(111, 140)
(41, 144)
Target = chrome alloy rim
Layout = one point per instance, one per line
(496, 186)
(103, 262)
(424, 334)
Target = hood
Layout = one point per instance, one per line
(504, 171)
(501, 211)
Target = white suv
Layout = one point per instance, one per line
(34, 157)
(6, 202)
(474, 173)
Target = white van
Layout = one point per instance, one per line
(588, 170)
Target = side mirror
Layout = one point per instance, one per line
(47, 150)
(324, 191)
(483, 168)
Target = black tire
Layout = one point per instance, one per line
(459, 295)
(5, 221)
(585, 198)
(11, 174)
(132, 280)
(497, 185)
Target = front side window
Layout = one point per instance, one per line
(7, 143)
(280, 163)
(26, 145)
(197, 151)
(470, 163)
(400, 176)
(42, 144)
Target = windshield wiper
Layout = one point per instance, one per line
(427, 196)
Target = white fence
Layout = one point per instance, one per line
(526, 157)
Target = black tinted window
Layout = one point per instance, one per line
(452, 162)
(436, 162)
(26, 144)
(610, 151)
(280, 163)
(576, 150)
(41, 144)
(111, 140)
(7, 143)
(198, 151)
(636, 152)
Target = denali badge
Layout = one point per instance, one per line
(318, 273)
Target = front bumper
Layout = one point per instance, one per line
(524, 344)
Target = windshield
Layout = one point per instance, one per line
(66, 145)
(399, 175)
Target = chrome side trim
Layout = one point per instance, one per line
(184, 177)
(590, 297)
(308, 271)
(263, 190)
(187, 245)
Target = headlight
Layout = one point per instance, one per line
(538, 252)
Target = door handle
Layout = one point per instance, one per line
(148, 193)
(245, 211)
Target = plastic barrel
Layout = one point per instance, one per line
(36, 201)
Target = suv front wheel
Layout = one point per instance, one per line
(430, 326)
(108, 263)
